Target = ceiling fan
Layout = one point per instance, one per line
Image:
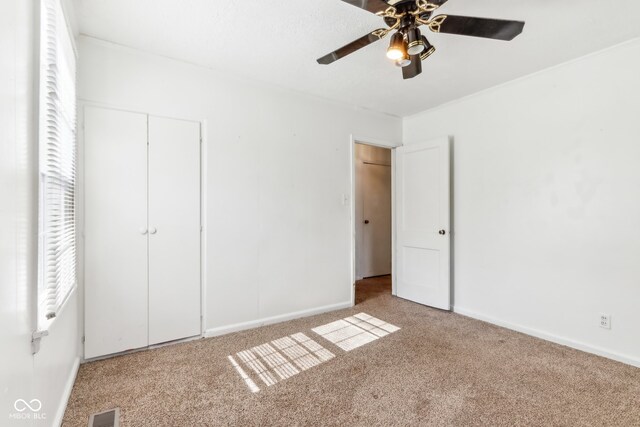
(408, 47)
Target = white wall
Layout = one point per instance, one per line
(277, 166)
(547, 201)
(48, 375)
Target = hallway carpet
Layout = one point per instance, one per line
(439, 369)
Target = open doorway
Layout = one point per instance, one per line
(373, 221)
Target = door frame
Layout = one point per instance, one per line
(357, 139)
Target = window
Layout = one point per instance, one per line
(57, 165)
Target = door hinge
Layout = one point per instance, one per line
(83, 339)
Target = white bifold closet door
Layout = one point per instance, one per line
(115, 242)
(174, 229)
(142, 230)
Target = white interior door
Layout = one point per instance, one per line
(174, 229)
(423, 223)
(376, 192)
(115, 200)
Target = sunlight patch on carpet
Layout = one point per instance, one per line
(355, 331)
(248, 381)
(280, 359)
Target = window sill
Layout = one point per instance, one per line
(47, 325)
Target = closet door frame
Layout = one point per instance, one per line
(80, 212)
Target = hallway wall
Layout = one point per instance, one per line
(370, 154)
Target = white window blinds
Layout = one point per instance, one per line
(57, 263)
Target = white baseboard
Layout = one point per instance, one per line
(66, 393)
(629, 360)
(138, 350)
(222, 330)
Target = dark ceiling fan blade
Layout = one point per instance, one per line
(498, 29)
(438, 2)
(373, 6)
(413, 69)
(350, 48)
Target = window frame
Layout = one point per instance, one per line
(57, 75)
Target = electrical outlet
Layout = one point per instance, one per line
(605, 321)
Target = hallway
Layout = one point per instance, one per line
(372, 287)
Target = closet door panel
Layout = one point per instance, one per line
(174, 226)
(115, 202)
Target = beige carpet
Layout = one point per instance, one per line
(439, 369)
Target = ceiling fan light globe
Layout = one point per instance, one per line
(427, 53)
(394, 54)
(416, 49)
(415, 45)
(403, 62)
(429, 49)
(397, 47)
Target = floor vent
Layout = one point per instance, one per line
(110, 418)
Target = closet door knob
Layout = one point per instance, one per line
(143, 230)
(153, 230)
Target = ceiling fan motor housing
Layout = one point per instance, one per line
(404, 8)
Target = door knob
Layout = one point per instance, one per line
(143, 230)
(442, 232)
(366, 221)
(153, 230)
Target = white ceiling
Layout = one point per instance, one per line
(278, 41)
